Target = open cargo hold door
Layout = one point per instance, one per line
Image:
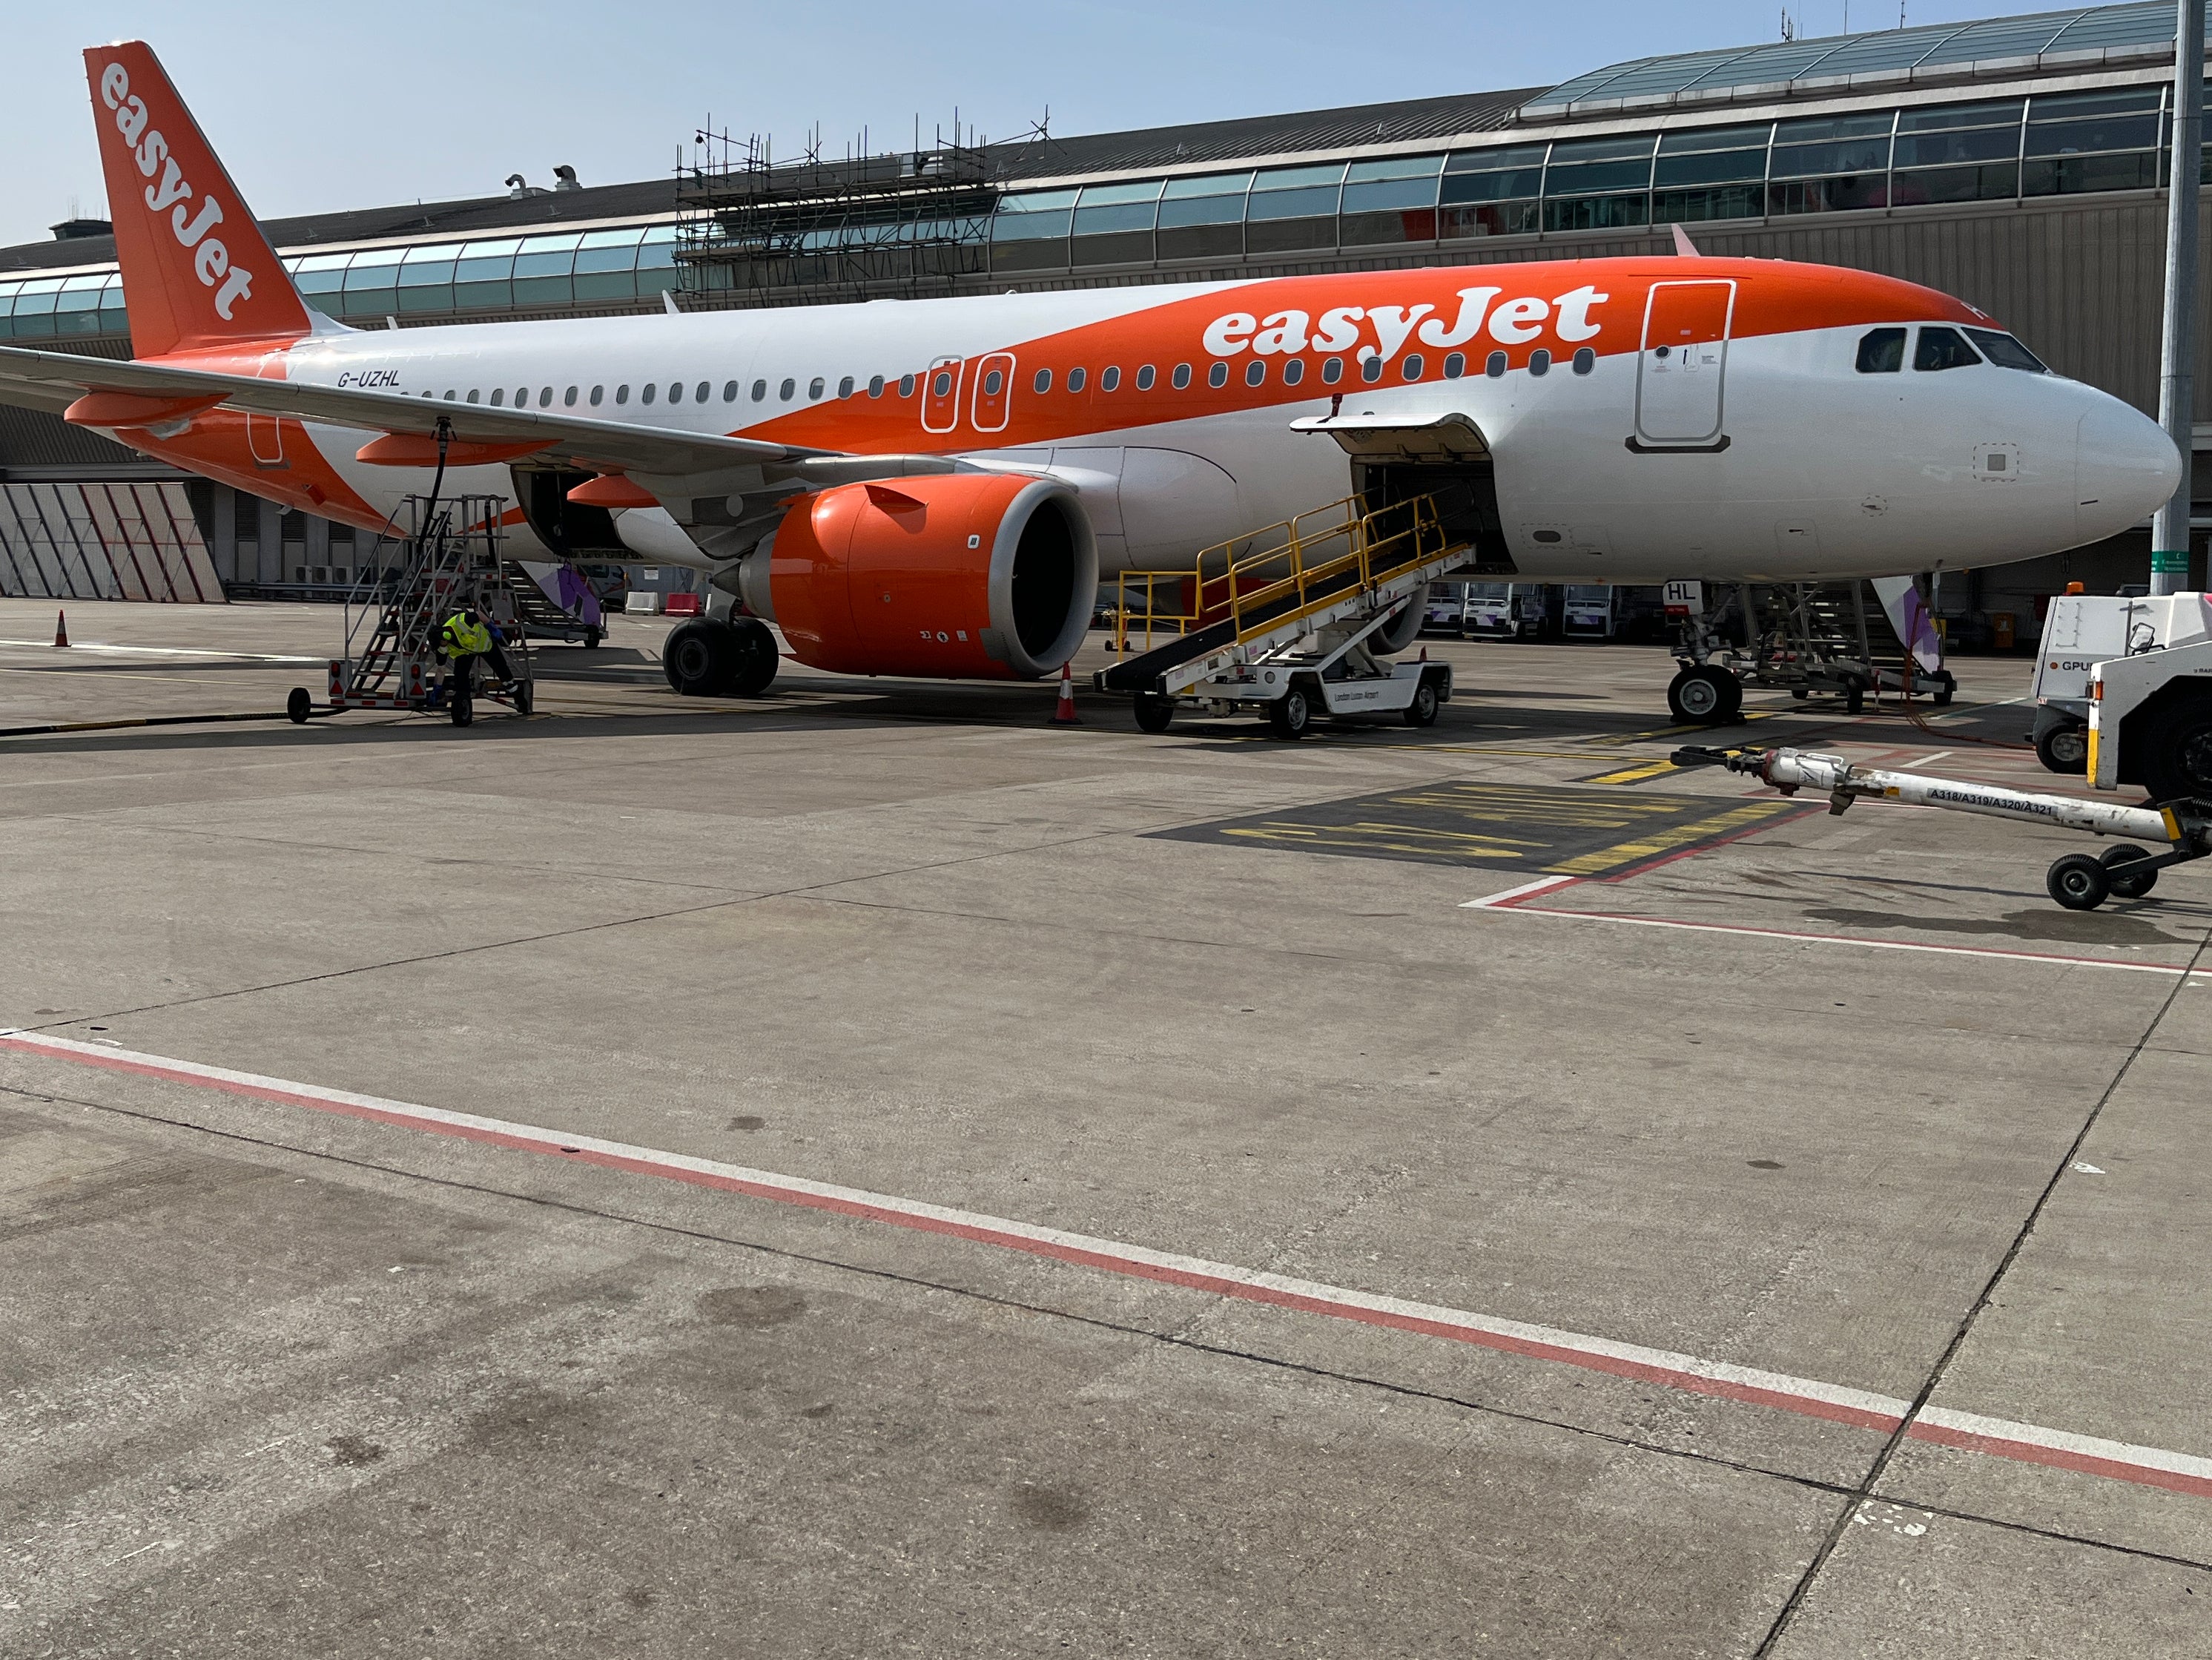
(1444, 455)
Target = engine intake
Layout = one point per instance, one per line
(956, 576)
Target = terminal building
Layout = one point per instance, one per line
(2014, 162)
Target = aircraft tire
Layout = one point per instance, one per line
(1703, 696)
(754, 658)
(2079, 882)
(698, 657)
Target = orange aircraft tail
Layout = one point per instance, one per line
(197, 270)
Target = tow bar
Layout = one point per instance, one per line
(2079, 881)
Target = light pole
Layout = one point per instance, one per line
(2177, 378)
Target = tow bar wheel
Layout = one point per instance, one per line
(2079, 881)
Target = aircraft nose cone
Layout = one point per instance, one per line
(2125, 469)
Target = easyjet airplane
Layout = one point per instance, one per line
(1620, 421)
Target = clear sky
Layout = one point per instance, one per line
(319, 106)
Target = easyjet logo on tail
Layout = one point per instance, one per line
(173, 193)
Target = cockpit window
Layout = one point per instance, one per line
(1882, 352)
(1942, 349)
(2006, 352)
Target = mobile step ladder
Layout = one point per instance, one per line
(1291, 618)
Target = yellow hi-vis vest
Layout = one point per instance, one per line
(465, 639)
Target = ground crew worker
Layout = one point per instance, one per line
(468, 633)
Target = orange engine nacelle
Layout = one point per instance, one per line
(970, 575)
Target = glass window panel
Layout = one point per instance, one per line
(1371, 229)
(1123, 216)
(613, 239)
(1216, 240)
(656, 252)
(1939, 349)
(1297, 178)
(1631, 147)
(77, 299)
(1039, 201)
(422, 275)
(1697, 140)
(1289, 236)
(1202, 210)
(1994, 182)
(1858, 156)
(1211, 184)
(1028, 226)
(1391, 194)
(496, 268)
(2000, 37)
(1743, 201)
(549, 244)
(1491, 161)
(1710, 167)
(1394, 166)
(1292, 204)
(99, 279)
(1112, 195)
(1488, 219)
(2005, 351)
(1843, 195)
(1492, 186)
(1834, 127)
(1046, 253)
(1597, 176)
(549, 264)
(324, 262)
(622, 259)
(2081, 105)
(437, 298)
(2066, 175)
(363, 276)
(483, 296)
(446, 254)
(1920, 150)
(606, 285)
(2109, 132)
(381, 265)
(318, 282)
(1941, 117)
(1595, 212)
(1125, 248)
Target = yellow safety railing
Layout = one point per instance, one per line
(1283, 571)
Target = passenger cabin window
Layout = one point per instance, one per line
(1294, 370)
(622, 392)
(2006, 352)
(992, 382)
(1075, 379)
(906, 385)
(1494, 366)
(814, 387)
(1455, 364)
(498, 396)
(1110, 380)
(1218, 375)
(676, 392)
(1182, 376)
(472, 394)
(1540, 361)
(845, 387)
(1042, 381)
(545, 398)
(787, 389)
(875, 385)
(1414, 367)
(1881, 352)
(1370, 369)
(1942, 349)
(1332, 371)
(760, 391)
(1585, 359)
(729, 391)
(568, 398)
(598, 396)
(1144, 378)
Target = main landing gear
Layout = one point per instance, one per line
(709, 657)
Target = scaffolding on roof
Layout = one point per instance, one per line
(752, 231)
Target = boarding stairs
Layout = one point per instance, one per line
(434, 557)
(1810, 638)
(1347, 566)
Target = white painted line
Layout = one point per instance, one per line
(1739, 930)
(1926, 760)
(1542, 884)
(161, 651)
(1808, 1397)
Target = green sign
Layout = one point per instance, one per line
(2169, 561)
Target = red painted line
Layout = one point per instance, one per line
(1805, 1397)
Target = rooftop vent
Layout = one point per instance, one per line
(564, 177)
(76, 230)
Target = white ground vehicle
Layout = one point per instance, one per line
(1589, 612)
(2081, 631)
(1511, 611)
(2150, 721)
(1447, 604)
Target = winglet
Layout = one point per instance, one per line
(197, 270)
(1684, 247)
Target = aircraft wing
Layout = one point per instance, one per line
(51, 381)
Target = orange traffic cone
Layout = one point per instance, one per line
(1063, 712)
(61, 628)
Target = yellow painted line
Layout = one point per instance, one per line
(1668, 841)
(1634, 774)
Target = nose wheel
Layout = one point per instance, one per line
(1703, 695)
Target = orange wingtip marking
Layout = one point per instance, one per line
(133, 409)
(612, 489)
(415, 449)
